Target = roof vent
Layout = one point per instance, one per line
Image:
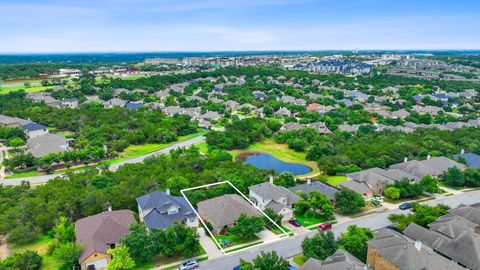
(462, 151)
(418, 245)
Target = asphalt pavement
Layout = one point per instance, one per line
(45, 178)
(291, 246)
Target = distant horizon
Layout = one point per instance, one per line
(132, 26)
(243, 51)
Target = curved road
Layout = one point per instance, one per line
(113, 167)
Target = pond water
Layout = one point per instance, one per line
(266, 161)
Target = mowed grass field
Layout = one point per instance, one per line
(139, 150)
(283, 153)
(7, 89)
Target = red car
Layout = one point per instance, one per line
(294, 222)
(324, 226)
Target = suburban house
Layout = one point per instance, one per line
(161, 210)
(71, 103)
(435, 166)
(291, 126)
(223, 212)
(282, 112)
(99, 233)
(114, 102)
(259, 95)
(310, 186)
(374, 181)
(32, 130)
(279, 199)
(390, 250)
(210, 115)
(455, 235)
(12, 122)
(339, 260)
(41, 146)
(471, 159)
(133, 106)
(320, 127)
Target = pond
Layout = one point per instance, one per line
(266, 161)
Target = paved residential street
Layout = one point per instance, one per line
(288, 247)
(45, 178)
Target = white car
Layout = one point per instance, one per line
(189, 265)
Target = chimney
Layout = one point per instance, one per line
(270, 178)
(109, 208)
(405, 159)
(476, 230)
(167, 191)
(418, 245)
(462, 151)
(309, 181)
(428, 157)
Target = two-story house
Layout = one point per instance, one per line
(277, 198)
(161, 210)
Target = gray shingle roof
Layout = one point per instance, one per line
(33, 126)
(323, 188)
(269, 191)
(338, 260)
(225, 210)
(473, 160)
(434, 166)
(155, 207)
(454, 235)
(46, 144)
(400, 250)
(8, 120)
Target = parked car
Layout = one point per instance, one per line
(294, 222)
(188, 265)
(325, 226)
(377, 201)
(405, 206)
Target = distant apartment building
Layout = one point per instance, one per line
(341, 67)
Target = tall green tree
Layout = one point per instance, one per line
(454, 177)
(121, 259)
(320, 246)
(349, 202)
(27, 260)
(247, 227)
(68, 255)
(140, 244)
(269, 261)
(355, 241)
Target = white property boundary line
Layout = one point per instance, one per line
(245, 197)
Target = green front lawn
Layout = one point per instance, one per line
(202, 147)
(309, 221)
(300, 259)
(276, 230)
(236, 240)
(336, 180)
(133, 151)
(23, 174)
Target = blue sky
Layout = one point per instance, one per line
(214, 25)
